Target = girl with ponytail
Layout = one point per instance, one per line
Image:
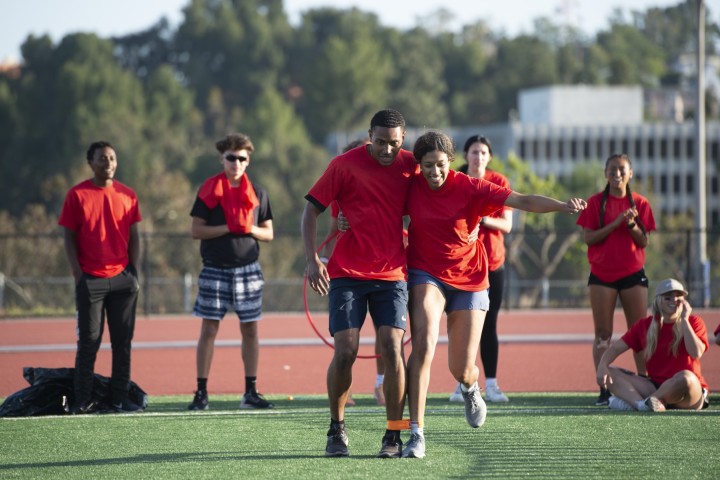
(616, 225)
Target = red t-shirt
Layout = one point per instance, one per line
(372, 198)
(663, 365)
(617, 256)
(101, 218)
(494, 240)
(440, 222)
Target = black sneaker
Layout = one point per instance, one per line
(337, 442)
(254, 400)
(391, 446)
(127, 406)
(604, 398)
(200, 401)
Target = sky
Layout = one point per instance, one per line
(107, 18)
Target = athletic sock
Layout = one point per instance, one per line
(379, 379)
(394, 433)
(250, 384)
(202, 384)
(337, 423)
(416, 428)
(490, 382)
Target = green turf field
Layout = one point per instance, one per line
(534, 436)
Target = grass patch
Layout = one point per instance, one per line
(558, 435)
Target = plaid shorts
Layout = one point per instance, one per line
(221, 288)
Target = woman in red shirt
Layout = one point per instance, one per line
(671, 341)
(493, 228)
(449, 273)
(616, 223)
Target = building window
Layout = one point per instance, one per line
(612, 147)
(663, 183)
(690, 183)
(561, 149)
(522, 149)
(676, 148)
(715, 150)
(599, 150)
(663, 148)
(714, 185)
(548, 149)
(625, 146)
(638, 147)
(534, 149)
(690, 148)
(676, 183)
(651, 148)
(586, 148)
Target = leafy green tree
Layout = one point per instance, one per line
(522, 62)
(469, 96)
(236, 46)
(342, 69)
(633, 59)
(418, 86)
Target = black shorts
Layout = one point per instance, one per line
(637, 278)
(351, 299)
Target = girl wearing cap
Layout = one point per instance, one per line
(671, 341)
(616, 225)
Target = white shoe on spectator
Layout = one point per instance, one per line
(456, 396)
(494, 394)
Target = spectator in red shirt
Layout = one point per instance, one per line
(616, 225)
(671, 340)
(100, 218)
(367, 270)
(449, 273)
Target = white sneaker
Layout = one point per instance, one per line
(617, 403)
(456, 396)
(495, 395)
(475, 408)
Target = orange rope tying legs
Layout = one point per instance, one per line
(398, 424)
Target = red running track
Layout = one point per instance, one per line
(541, 350)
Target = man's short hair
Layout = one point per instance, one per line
(387, 118)
(95, 146)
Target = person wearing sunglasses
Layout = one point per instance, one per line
(229, 217)
(671, 340)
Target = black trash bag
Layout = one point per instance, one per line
(51, 393)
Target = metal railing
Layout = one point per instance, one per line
(35, 278)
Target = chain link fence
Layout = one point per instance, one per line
(544, 270)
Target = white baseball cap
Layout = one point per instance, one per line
(669, 285)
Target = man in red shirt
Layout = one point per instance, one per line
(367, 271)
(100, 218)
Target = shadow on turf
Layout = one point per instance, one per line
(165, 458)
